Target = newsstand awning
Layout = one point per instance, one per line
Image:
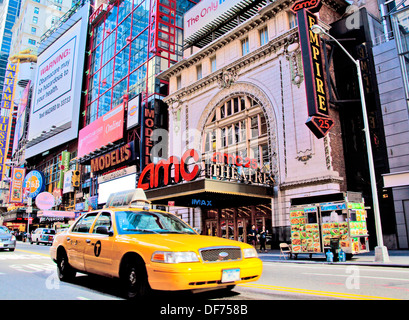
(211, 193)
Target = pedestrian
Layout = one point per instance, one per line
(263, 239)
(253, 236)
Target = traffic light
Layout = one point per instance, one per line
(76, 177)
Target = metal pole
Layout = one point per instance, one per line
(381, 252)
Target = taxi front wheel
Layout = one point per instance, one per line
(135, 280)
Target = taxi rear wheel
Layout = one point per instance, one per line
(64, 270)
(135, 280)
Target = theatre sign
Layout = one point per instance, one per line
(190, 166)
(319, 121)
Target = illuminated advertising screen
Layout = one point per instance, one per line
(106, 129)
(204, 13)
(57, 94)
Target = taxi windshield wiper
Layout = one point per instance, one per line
(142, 230)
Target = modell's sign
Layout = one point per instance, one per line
(113, 158)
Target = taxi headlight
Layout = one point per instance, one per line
(13, 238)
(174, 257)
(250, 253)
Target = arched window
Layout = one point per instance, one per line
(237, 127)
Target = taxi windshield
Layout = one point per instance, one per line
(150, 222)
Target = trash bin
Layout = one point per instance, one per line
(334, 244)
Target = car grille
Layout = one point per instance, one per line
(218, 254)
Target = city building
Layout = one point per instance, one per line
(238, 99)
(131, 42)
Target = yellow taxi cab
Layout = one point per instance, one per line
(150, 249)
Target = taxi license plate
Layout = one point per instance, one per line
(230, 275)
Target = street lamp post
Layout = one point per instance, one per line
(381, 252)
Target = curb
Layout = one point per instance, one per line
(266, 258)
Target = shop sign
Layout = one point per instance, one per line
(65, 162)
(113, 158)
(4, 129)
(16, 187)
(311, 5)
(67, 186)
(102, 131)
(45, 201)
(57, 194)
(319, 125)
(237, 168)
(238, 160)
(9, 83)
(133, 112)
(162, 171)
(319, 122)
(117, 174)
(148, 126)
(80, 206)
(34, 183)
(204, 203)
(227, 172)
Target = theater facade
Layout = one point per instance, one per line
(239, 148)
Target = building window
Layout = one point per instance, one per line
(263, 36)
(237, 127)
(245, 49)
(32, 42)
(178, 82)
(36, 10)
(213, 67)
(292, 20)
(199, 72)
(35, 20)
(33, 30)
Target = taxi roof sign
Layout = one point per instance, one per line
(134, 198)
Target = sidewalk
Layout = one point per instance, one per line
(398, 258)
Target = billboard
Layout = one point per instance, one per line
(16, 187)
(204, 13)
(9, 83)
(55, 107)
(21, 116)
(106, 129)
(4, 128)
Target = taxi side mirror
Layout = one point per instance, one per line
(104, 230)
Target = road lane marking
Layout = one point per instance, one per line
(83, 298)
(33, 252)
(346, 275)
(315, 292)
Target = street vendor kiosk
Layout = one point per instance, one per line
(318, 223)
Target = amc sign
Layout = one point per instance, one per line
(162, 171)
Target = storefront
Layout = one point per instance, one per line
(240, 100)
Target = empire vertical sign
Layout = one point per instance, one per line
(319, 121)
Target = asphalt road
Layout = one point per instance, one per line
(29, 274)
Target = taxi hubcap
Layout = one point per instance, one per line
(132, 278)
